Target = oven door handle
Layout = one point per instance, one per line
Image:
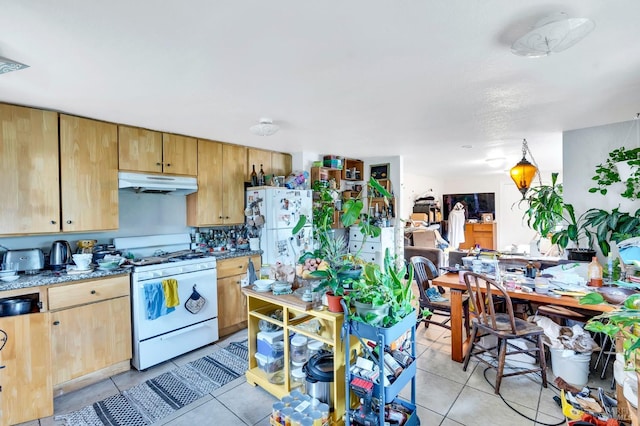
(184, 330)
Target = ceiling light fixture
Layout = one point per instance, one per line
(264, 128)
(8, 65)
(524, 172)
(552, 34)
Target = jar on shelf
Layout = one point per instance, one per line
(313, 347)
(298, 379)
(298, 348)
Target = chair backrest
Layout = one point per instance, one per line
(483, 293)
(424, 272)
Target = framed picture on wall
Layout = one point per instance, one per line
(487, 217)
(380, 171)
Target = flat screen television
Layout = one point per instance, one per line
(475, 204)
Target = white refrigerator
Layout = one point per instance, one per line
(280, 209)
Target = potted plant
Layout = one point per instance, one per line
(550, 216)
(382, 296)
(622, 165)
(332, 248)
(613, 226)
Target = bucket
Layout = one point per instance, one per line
(573, 367)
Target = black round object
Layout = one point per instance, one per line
(319, 368)
(11, 307)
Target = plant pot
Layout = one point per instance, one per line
(625, 170)
(584, 255)
(333, 302)
(353, 274)
(363, 310)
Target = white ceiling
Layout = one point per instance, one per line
(356, 78)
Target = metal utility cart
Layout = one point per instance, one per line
(385, 394)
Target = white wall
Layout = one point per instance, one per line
(413, 186)
(140, 214)
(583, 150)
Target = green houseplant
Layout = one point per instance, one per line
(332, 248)
(549, 215)
(609, 172)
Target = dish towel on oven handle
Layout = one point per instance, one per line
(155, 305)
(170, 289)
(195, 302)
(251, 272)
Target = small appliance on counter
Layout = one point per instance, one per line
(60, 255)
(31, 261)
(102, 250)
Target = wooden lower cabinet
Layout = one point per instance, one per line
(89, 341)
(483, 234)
(232, 304)
(25, 358)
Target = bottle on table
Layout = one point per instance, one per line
(594, 273)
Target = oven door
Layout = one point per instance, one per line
(206, 285)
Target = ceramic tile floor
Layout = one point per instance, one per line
(446, 395)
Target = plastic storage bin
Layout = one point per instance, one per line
(268, 364)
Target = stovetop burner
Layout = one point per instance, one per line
(186, 257)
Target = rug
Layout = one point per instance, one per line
(156, 398)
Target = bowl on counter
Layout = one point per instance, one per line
(108, 264)
(615, 295)
(82, 260)
(9, 278)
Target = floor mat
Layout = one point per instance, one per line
(157, 398)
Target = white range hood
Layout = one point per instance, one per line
(157, 184)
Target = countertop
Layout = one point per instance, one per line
(47, 277)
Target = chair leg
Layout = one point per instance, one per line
(502, 348)
(542, 360)
(465, 312)
(467, 356)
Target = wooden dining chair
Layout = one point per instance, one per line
(505, 327)
(424, 272)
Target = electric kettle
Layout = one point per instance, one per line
(60, 255)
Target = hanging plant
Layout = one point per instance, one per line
(608, 173)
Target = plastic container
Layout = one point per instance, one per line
(573, 367)
(313, 347)
(298, 379)
(594, 273)
(265, 271)
(268, 364)
(298, 349)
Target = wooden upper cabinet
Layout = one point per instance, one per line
(220, 196)
(139, 149)
(235, 169)
(179, 155)
(257, 157)
(280, 164)
(89, 174)
(274, 163)
(29, 170)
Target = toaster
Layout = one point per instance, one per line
(28, 260)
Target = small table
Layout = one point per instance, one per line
(452, 281)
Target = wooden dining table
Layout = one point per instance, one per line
(459, 344)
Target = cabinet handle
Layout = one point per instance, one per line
(158, 164)
(53, 222)
(226, 217)
(220, 217)
(168, 164)
(69, 222)
(56, 323)
(93, 292)
(240, 266)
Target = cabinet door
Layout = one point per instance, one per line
(139, 149)
(255, 157)
(25, 376)
(205, 206)
(232, 309)
(179, 155)
(29, 143)
(234, 161)
(90, 337)
(280, 164)
(89, 174)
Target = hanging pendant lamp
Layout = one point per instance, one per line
(523, 172)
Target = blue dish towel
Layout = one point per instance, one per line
(155, 302)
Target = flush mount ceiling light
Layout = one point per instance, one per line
(524, 172)
(264, 128)
(8, 65)
(552, 34)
